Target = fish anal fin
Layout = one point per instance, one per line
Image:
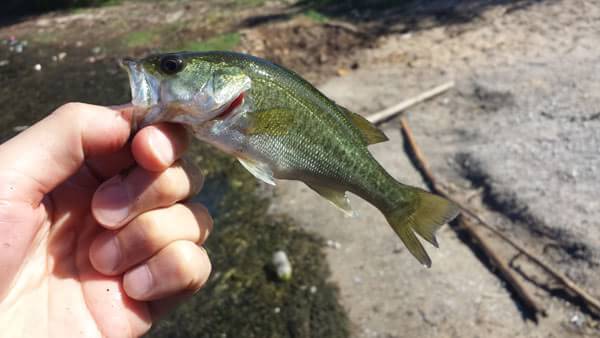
(337, 197)
(369, 132)
(259, 170)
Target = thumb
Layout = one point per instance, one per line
(34, 162)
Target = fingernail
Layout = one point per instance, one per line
(107, 254)
(112, 202)
(139, 281)
(161, 146)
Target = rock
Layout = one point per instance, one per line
(282, 265)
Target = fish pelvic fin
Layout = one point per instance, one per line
(337, 197)
(370, 133)
(259, 170)
(424, 217)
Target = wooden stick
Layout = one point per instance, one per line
(398, 108)
(592, 302)
(504, 270)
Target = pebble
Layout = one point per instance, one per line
(577, 320)
(96, 50)
(282, 265)
(333, 244)
(19, 129)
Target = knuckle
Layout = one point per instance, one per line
(203, 218)
(70, 111)
(169, 184)
(191, 265)
(184, 255)
(194, 176)
(149, 232)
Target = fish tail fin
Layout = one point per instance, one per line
(424, 217)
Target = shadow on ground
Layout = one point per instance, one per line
(395, 16)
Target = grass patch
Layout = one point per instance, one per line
(248, 3)
(139, 38)
(221, 42)
(316, 16)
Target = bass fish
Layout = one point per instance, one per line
(281, 127)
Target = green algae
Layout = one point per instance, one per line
(243, 298)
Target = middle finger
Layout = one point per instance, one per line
(113, 252)
(122, 198)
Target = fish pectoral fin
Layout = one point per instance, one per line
(369, 132)
(259, 170)
(338, 198)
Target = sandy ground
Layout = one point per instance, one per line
(521, 126)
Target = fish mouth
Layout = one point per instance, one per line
(230, 109)
(144, 87)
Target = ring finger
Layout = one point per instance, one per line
(181, 266)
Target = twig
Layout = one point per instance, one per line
(502, 267)
(570, 285)
(398, 108)
(590, 301)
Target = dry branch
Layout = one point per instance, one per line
(590, 301)
(398, 108)
(508, 275)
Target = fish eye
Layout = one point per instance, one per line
(171, 64)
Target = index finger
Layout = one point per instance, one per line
(34, 162)
(157, 147)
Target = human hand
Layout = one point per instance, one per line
(85, 250)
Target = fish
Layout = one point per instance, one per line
(280, 127)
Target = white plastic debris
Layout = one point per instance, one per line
(282, 265)
(37, 67)
(333, 244)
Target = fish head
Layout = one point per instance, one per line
(183, 87)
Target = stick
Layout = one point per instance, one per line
(590, 301)
(570, 285)
(398, 108)
(502, 267)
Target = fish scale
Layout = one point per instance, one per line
(281, 127)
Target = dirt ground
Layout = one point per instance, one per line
(518, 135)
(516, 139)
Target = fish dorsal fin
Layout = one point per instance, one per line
(259, 170)
(338, 198)
(369, 132)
